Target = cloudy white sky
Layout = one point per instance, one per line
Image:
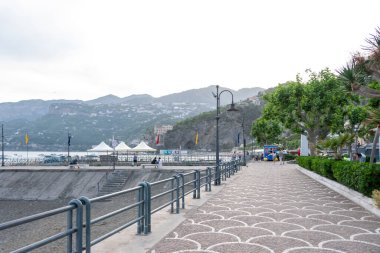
(86, 49)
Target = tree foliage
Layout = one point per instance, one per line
(362, 76)
(314, 108)
(362, 70)
(266, 131)
(337, 143)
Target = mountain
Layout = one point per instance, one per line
(230, 129)
(138, 99)
(205, 95)
(28, 109)
(109, 99)
(130, 119)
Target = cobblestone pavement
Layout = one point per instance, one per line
(275, 208)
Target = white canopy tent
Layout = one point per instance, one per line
(122, 147)
(102, 147)
(143, 147)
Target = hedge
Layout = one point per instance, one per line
(361, 177)
(289, 157)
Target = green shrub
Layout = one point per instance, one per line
(304, 161)
(341, 173)
(289, 157)
(325, 168)
(362, 177)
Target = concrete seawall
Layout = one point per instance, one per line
(62, 183)
(48, 185)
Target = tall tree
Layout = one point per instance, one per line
(360, 73)
(314, 108)
(356, 115)
(266, 131)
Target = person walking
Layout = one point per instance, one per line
(159, 163)
(281, 156)
(134, 159)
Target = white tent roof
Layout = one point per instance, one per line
(102, 147)
(122, 147)
(143, 147)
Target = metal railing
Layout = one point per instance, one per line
(145, 200)
(70, 230)
(122, 160)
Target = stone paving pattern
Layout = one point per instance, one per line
(275, 208)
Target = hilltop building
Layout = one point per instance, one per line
(160, 130)
(255, 100)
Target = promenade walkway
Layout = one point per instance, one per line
(270, 207)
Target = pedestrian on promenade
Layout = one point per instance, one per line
(362, 157)
(281, 156)
(159, 163)
(134, 159)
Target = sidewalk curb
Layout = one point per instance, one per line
(354, 196)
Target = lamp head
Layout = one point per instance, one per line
(232, 108)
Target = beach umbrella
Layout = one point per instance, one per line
(102, 147)
(122, 147)
(143, 147)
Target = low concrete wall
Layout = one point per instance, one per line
(48, 185)
(52, 184)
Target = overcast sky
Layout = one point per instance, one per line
(87, 49)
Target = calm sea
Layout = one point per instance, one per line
(40, 154)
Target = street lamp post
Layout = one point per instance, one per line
(68, 147)
(2, 145)
(244, 143)
(356, 129)
(232, 108)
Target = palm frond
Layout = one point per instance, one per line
(373, 42)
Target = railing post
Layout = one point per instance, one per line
(177, 192)
(183, 189)
(141, 207)
(87, 204)
(216, 175)
(79, 221)
(148, 207)
(69, 247)
(195, 185)
(223, 171)
(172, 195)
(207, 177)
(198, 180)
(210, 178)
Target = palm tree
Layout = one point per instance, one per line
(337, 143)
(357, 74)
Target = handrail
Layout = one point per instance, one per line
(193, 180)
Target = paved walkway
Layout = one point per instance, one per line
(274, 208)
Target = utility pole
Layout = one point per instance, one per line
(2, 145)
(244, 143)
(68, 147)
